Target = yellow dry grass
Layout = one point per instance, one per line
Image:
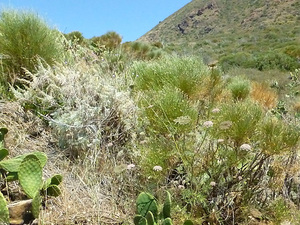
(87, 197)
(262, 94)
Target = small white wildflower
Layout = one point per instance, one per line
(213, 183)
(220, 140)
(130, 166)
(208, 124)
(215, 110)
(110, 144)
(245, 147)
(157, 168)
(240, 177)
(143, 142)
(180, 187)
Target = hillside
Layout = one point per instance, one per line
(217, 27)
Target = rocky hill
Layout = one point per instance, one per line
(224, 26)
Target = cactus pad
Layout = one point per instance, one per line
(12, 165)
(3, 131)
(188, 222)
(136, 219)
(150, 218)
(167, 221)
(36, 204)
(143, 221)
(146, 202)
(3, 152)
(4, 213)
(53, 190)
(167, 206)
(30, 175)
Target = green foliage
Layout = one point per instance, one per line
(167, 206)
(13, 164)
(183, 73)
(239, 88)
(140, 50)
(110, 41)
(164, 109)
(146, 202)
(274, 60)
(167, 221)
(50, 187)
(30, 175)
(147, 209)
(276, 136)
(150, 218)
(188, 222)
(238, 121)
(75, 37)
(25, 38)
(240, 59)
(36, 205)
(4, 213)
(27, 169)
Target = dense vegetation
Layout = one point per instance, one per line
(117, 119)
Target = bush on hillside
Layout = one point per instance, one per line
(25, 39)
(110, 41)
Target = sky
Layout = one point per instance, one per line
(129, 18)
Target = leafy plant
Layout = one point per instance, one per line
(27, 169)
(25, 38)
(147, 209)
(239, 88)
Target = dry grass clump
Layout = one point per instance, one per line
(86, 107)
(87, 197)
(262, 94)
(26, 132)
(90, 117)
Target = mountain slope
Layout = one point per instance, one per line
(218, 27)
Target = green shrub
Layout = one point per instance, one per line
(275, 60)
(164, 109)
(238, 121)
(25, 38)
(75, 36)
(184, 73)
(239, 88)
(240, 59)
(111, 40)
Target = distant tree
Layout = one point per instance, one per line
(110, 40)
(75, 36)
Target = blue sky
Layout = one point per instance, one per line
(129, 18)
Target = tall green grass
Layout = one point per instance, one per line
(25, 39)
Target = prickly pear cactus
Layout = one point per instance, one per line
(146, 202)
(167, 221)
(3, 131)
(30, 175)
(4, 213)
(50, 186)
(150, 218)
(12, 165)
(188, 222)
(36, 204)
(53, 190)
(143, 221)
(3, 153)
(137, 219)
(167, 206)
